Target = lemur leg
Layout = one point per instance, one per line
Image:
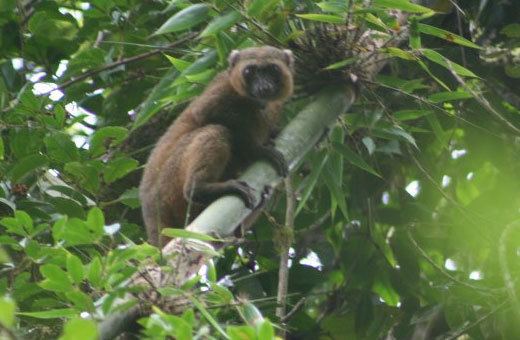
(209, 154)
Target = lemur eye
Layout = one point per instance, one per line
(273, 68)
(249, 70)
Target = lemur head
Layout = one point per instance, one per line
(262, 73)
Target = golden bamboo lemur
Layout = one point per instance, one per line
(222, 131)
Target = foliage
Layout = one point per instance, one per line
(407, 215)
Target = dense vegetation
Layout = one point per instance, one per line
(407, 216)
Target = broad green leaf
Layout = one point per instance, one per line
(55, 190)
(225, 294)
(87, 174)
(438, 58)
(241, 332)
(446, 35)
(265, 330)
(511, 30)
(250, 313)
(7, 312)
(51, 314)
(81, 300)
(27, 165)
(329, 18)
(61, 148)
(119, 168)
(105, 137)
(403, 115)
(130, 198)
(57, 279)
(75, 268)
(183, 233)
(96, 220)
(404, 5)
(80, 329)
(446, 96)
(73, 231)
(184, 19)
(67, 206)
(427, 70)
(94, 273)
(354, 158)
(221, 23)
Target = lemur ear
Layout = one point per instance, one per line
(289, 58)
(233, 58)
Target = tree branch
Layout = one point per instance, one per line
(122, 62)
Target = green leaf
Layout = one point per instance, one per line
(341, 64)
(404, 115)
(446, 35)
(185, 19)
(183, 233)
(355, 159)
(311, 182)
(51, 314)
(75, 268)
(511, 30)
(74, 232)
(329, 18)
(96, 220)
(81, 300)
(7, 311)
(80, 329)
(119, 168)
(249, 313)
(179, 64)
(438, 58)
(258, 7)
(130, 198)
(221, 23)
(404, 5)
(105, 137)
(61, 148)
(67, 206)
(400, 53)
(334, 184)
(27, 165)
(94, 273)
(208, 316)
(86, 174)
(58, 280)
(241, 332)
(265, 330)
(338, 6)
(446, 96)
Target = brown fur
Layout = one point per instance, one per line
(213, 139)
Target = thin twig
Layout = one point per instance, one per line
(294, 310)
(285, 243)
(439, 268)
(122, 62)
(478, 321)
(481, 99)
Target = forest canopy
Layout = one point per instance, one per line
(403, 222)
